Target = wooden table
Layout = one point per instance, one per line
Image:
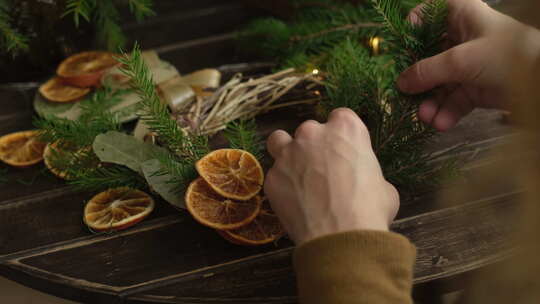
(169, 258)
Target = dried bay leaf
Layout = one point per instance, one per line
(160, 183)
(123, 149)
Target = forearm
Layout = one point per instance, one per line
(355, 267)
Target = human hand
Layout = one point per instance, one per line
(327, 179)
(485, 50)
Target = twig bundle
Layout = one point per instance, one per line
(241, 99)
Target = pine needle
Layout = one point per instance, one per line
(183, 172)
(79, 9)
(156, 114)
(141, 9)
(94, 120)
(242, 134)
(11, 39)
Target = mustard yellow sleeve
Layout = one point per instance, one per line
(355, 267)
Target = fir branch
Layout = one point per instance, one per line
(95, 119)
(79, 9)
(104, 178)
(141, 9)
(242, 134)
(74, 133)
(156, 114)
(109, 33)
(11, 39)
(84, 171)
(182, 172)
(100, 102)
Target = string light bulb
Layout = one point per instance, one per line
(315, 72)
(374, 44)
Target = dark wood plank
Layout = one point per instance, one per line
(49, 217)
(191, 24)
(183, 261)
(450, 242)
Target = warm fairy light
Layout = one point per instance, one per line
(374, 43)
(317, 93)
(315, 72)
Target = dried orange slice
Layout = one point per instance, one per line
(56, 90)
(215, 211)
(232, 173)
(117, 209)
(86, 69)
(264, 229)
(21, 149)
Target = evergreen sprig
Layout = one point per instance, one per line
(182, 172)
(242, 134)
(109, 33)
(103, 178)
(412, 42)
(95, 119)
(106, 16)
(141, 9)
(74, 133)
(79, 9)
(11, 40)
(156, 114)
(73, 139)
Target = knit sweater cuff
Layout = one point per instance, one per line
(355, 267)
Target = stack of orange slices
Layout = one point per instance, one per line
(227, 197)
(76, 75)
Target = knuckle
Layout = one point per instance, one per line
(307, 129)
(344, 114)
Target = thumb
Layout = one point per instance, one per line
(447, 67)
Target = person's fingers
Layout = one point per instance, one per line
(277, 141)
(455, 107)
(451, 66)
(307, 129)
(427, 111)
(344, 116)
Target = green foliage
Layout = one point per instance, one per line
(185, 147)
(156, 114)
(108, 31)
(94, 120)
(412, 42)
(334, 38)
(182, 172)
(141, 9)
(314, 31)
(242, 134)
(104, 178)
(79, 9)
(11, 40)
(74, 139)
(104, 14)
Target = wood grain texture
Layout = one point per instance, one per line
(164, 261)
